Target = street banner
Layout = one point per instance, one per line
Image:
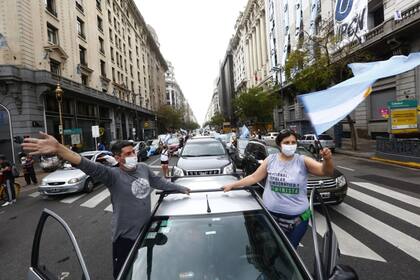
(327, 107)
(298, 17)
(350, 20)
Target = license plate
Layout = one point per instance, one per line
(54, 190)
(325, 195)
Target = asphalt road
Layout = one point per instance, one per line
(377, 225)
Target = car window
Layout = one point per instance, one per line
(272, 150)
(218, 246)
(324, 137)
(196, 149)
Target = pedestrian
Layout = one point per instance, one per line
(129, 184)
(29, 170)
(8, 180)
(101, 146)
(285, 192)
(164, 160)
(233, 138)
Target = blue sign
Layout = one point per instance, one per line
(71, 131)
(343, 9)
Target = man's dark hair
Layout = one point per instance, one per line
(284, 133)
(117, 146)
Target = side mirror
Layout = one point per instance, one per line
(326, 259)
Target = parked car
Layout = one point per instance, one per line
(69, 179)
(203, 156)
(207, 235)
(270, 136)
(141, 149)
(155, 147)
(332, 189)
(309, 142)
(50, 163)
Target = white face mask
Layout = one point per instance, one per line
(130, 162)
(288, 150)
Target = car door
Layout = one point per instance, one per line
(55, 252)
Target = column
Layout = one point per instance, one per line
(258, 50)
(254, 55)
(264, 40)
(248, 60)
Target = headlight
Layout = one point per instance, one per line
(228, 169)
(177, 172)
(43, 182)
(74, 180)
(341, 181)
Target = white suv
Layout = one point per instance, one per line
(308, 141)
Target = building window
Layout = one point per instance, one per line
(378, 101)
(82, 55)
(103, 68)
(81, 28)
(52, 34)
(79, 4)
(113, 74)
(112, 54)
(101, 45)
(131, 70)
(50, 6)
(109, 16)
(55, 67)
(98, 5)
(100, 23)
(85, 79)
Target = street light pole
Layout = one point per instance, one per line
(59, 96)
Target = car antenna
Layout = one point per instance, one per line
(208, 205)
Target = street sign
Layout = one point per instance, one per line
(75, 139)
(101, 131)
(60, 129)
(95, 131)
(403, 116)
(71, 131)
(146, 124)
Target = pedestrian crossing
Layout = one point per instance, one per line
(406, 209)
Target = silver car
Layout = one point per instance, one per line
(309, 142)
(69, 179)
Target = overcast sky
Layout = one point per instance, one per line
(193, 35)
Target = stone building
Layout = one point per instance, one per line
(101, 52)
(391, 29)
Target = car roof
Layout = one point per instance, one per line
(218, 201)
(204, 140)
(202, 137)
(92, 153)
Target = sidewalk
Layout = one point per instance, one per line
(366, 149)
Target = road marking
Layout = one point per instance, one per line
(156, 172)
(390, 193)
(72, 199)
(109, 208)
(91, 203)
(34, 194)
(345, 168)
(349, 245)
(156, 160)
(386, 207)
(395, 237)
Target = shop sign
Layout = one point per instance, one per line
(71, 131)
(403, 116)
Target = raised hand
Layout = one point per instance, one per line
(45, 145)
(326, 154)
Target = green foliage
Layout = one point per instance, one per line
(168, 118)
(256, 105)
(216, 121)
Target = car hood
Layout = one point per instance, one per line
(64, 175)
(313, 177)
(203, 163)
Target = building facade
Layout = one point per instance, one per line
(213, 108)
(389, 30)
(101, 52)
(174, 95)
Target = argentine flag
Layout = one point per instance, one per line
(327, 107)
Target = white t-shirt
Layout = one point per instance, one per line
(164, 156)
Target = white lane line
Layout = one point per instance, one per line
(156, 172)
(349, 245)
(390, 193)
(393, 210)
(91, 203)
(72, 199)
(402, 241)
(156, 160)
(109, 208)
(345, 168)
(34, 194)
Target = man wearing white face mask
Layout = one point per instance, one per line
(285, 192)
(129, 184)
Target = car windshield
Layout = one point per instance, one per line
(272, 150)
(220, 246)
(305, 152)
(197, 149)
(324, 137)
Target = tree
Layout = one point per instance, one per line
(256, 104)
(321, 61)
(169, 118)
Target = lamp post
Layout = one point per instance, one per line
(278, 70)
(59, 96)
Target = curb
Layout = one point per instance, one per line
(354, 154)
(402, 163)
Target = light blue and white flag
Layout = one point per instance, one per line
(327, 107)
(244, 132)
